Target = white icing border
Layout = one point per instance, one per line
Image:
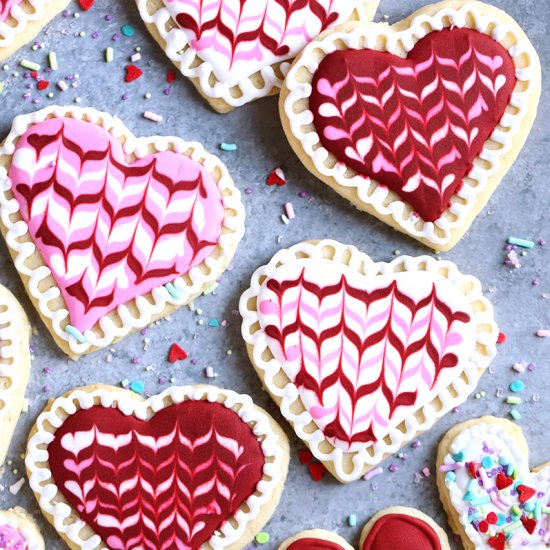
(52, 502)
(255, 338)
(12, 366)
(19, 519)
(464, 201)
(22, 18)
(192, 65)
(233, 232)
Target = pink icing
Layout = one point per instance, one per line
(6, 6)
(108, 230)
(11, 539)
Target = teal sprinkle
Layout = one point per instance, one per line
(473, 517)
(501, 519)
(503, 461)
(137, 386)
(472, 485)
(487, 462)
(538, 510)
(458, 457)
(469, 496)
(228, 147)
(517, 386)
(214, 323)
(173, 291)
(76, 334)
(352, 520)
(510, 469)
(127, 30)
(529, 506)
(515, 414)
(450, 476)
(480, 501)
(521, 242)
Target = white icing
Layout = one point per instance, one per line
(495, 435)
(15, 519)
(234, 86)
(52, 503)
(438, 233)
(455, 393)
(188, 287)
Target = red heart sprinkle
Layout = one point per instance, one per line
(171, 76)
(317, 471)
(503, 481)
(530, 524)
(86, 4)
(277, 177)
(176, 354)
(497, 542)
(43, 84)
(132, 73)
(492, 518)
(525, 492)
(501, 338)
(305, 456)
(483, 526)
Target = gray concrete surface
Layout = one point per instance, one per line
(519, 208)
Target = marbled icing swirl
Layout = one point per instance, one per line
(6, 7)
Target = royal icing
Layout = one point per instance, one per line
(111, 231)
(314, 544)
(365, 347)
(186, 467)
(401, 532)
(6, 6)
(414, 124)
(499, 502)
(237, 39)
(366, 152)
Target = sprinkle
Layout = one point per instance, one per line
(176, 354)
(512, 527)
(352, 520)
(521, 242)
(487, 462)
(132, 73)
(109, 55)
(501, 338)
(85, 5)
(127, 30)
(16, 487)
(290, 211)
(209, 372)
(517, 386)
(458, 457)
(475, 502)
(152, 116)
(276, 177)
(262, 538)
(137, 386)
(52, 59)
(543, 333)
(426, 472)
(516, 510)
(214, 323)
(449, 467)
(538, 510)
(515, 414)
(373, 473)
(135, 57)
(519, 367)
(25, 63)
(210, 288)
(317, 471)
(393, 468)
(171, 76)
(450, 476)
(62, 85)
(228, 147)
(173, 291)
(512, 400)
(284, 219)
(81, 339)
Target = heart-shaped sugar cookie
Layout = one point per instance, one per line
(194, 467)
(15, 365)
(236, 51)
(360, 356)
(416, 123)
(123, 229)
(22, 20)
(492, 498)
(395, 528)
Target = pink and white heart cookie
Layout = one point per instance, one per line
(236, 51)
(19, 531)
(416, 123)
(110, 232)
(362, 356)
(193, 467)
(15, 365)
(395, 528)
(22, 20)
(492, 499)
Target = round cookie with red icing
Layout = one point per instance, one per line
(15, 365)
(22, 20)
(19, 531)
(361, 356)
(108, 231)
(237, 51)
(492, 497)
(315, 539)
(415, 123)
(193, 467)
(403, 528)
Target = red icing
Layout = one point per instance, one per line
(401, 532)
(207, 465)
(314, 544)
(422, 140)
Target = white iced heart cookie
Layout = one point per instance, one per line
(362, 356)
(19, 531)
(492, 498)
(236, 51)
(108, 231)
(15, 364)
(22, 20)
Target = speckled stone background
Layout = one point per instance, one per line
(520, 208)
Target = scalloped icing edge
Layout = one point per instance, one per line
(490, 166)
(350, 466)
(15, 364)
(43, 12)
(80, 535)
(20, 519)
(223, 97)
(161, 302)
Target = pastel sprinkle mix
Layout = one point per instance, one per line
(262, 538)
(52, 59)
(109, 55)
(543, 333)
(352, 520)
(512, 400)
(152, 116)
(517, 386)
(137, 386)
(228, 147)
(515, 414)
(26, 64)
(373, 473)
(521, 242)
